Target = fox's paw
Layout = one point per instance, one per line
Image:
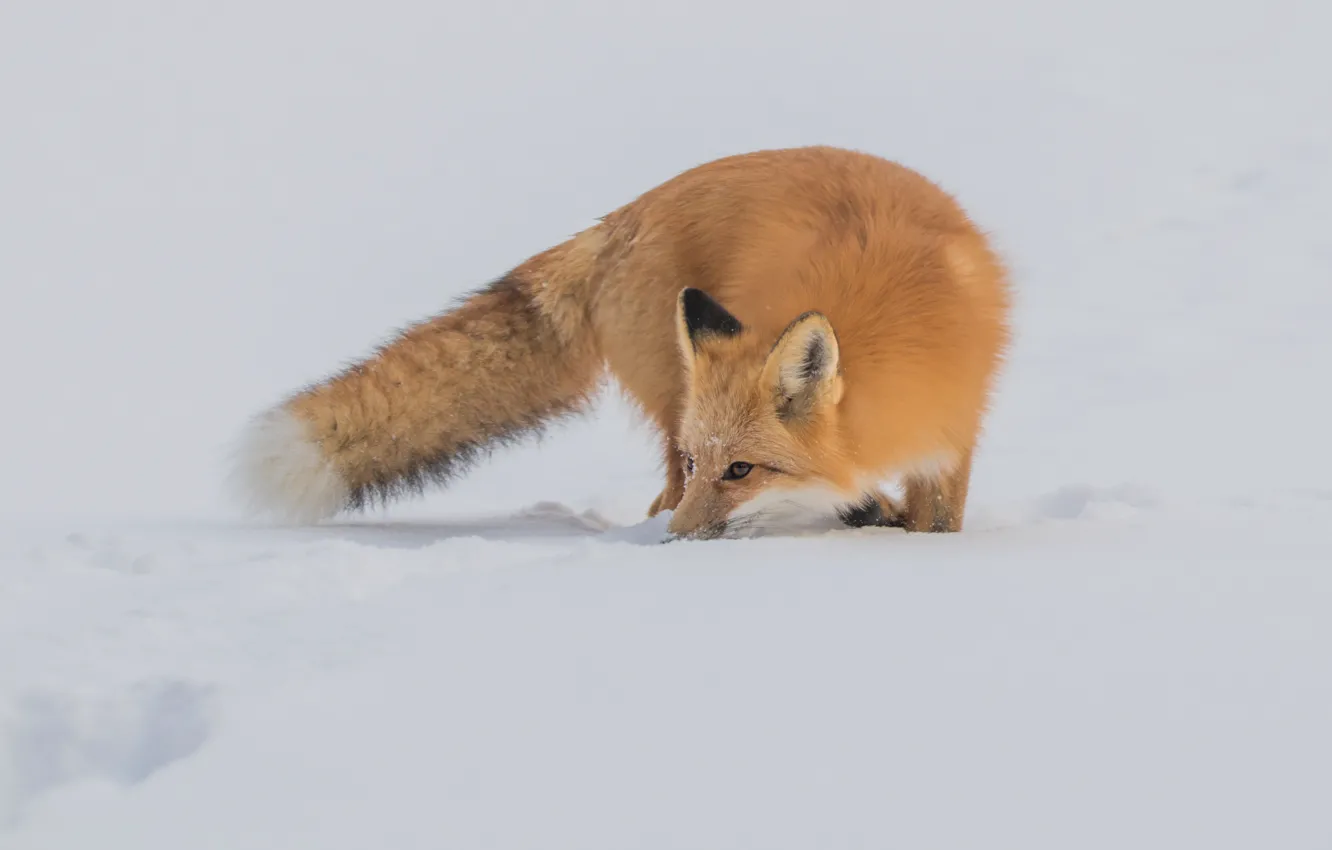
(876, 509)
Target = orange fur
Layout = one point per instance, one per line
(898, 291)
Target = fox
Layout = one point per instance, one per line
(801, 326)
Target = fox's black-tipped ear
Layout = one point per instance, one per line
(803, 368)
(703, 316)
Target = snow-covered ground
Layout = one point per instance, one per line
(203, 206)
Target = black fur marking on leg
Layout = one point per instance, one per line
(868, 513)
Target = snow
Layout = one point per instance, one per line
(202, 208)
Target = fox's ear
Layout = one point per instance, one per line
(699, 316)
(802, 368)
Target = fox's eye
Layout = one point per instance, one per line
(689, 464)
(737, 470)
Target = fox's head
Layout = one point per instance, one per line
(759, 429)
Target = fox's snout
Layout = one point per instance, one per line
(701, 515)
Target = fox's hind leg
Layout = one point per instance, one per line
(938, 503)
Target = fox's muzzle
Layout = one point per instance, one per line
(707, 531)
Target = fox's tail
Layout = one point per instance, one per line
(507, 360)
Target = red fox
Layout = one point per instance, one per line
(801, 325)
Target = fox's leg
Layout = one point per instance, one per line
(673, 492)
(877, 509)
(938, 503)
(634, 313)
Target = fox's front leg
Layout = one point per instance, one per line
(877, 509)
(673, 492)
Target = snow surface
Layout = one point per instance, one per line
(203, 206)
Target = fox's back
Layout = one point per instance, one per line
(918, 301)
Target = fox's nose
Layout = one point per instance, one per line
(680, 528)
(694, 530)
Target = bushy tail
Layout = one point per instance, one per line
(507, 360)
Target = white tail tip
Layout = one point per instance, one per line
(279, 471)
